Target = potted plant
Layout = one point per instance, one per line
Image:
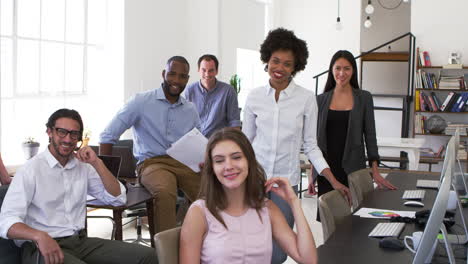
(30, 147)
(235, 82)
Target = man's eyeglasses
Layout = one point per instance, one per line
(62, 132)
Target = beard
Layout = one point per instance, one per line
(167, 88)
(56, 147)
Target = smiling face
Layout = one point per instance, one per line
(229, 164)
(176, 76)
(208, 72)
(62, 147)
(280, 67)
(342, 72)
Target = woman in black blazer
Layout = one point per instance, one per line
(345, 121)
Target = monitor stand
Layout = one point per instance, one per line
(448, 246)
(454, 238)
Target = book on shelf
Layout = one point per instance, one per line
(463, 107)
(433, 105)
(452, 66)
(440, 152)
(427, 59)
(446, 101)
(427, 152)
(452, 101)
(419, 123)
(416, 101)
(451, 81)
(421, 57)
(426, 80)
(436, 101)
(427, 105)
(461, 153)
(451, 128)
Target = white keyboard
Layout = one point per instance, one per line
(414, 194)
(430, 184)
(387, 230)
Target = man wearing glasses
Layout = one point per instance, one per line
(45, 207)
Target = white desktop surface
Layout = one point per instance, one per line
(408, 145)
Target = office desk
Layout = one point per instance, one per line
(350, 242)
(408, 145)
(135, 195)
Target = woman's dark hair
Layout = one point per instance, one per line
(67, 113)
(212, 190)
(331, 83)
(283, 39)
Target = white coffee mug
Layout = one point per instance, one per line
(452, 201)
(415, 238)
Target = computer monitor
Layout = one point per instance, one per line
(459, 172)
(435, 221)
(449, 157)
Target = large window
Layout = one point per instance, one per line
(251, 71)
(55, 54)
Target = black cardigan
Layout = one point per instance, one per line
(361, 126)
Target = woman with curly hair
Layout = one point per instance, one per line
(281, 116)
(345, 122)
(233, 221)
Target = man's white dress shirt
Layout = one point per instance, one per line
(277, 130)
(49, 197)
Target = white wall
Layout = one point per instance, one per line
(157, 29)
(154, 31)
(314, 21)
(441, 27)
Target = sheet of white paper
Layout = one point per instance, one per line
(189, 149)
(383, 213)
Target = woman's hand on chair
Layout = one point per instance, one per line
(382, 182)
(344, 191)
(311, 189)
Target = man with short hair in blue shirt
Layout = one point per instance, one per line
(216, 101)
(159, 118)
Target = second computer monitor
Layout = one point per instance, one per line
(435, 221)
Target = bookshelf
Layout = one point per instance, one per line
(454, 113)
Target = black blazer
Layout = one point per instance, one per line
(361, 127)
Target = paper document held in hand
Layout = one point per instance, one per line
(189, 149)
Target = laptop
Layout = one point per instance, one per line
(112, 164)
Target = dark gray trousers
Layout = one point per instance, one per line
(279, 256)
(81, 249)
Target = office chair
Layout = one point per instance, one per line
(9, 252)
(167, 246)
(124, 149)
(360, 184)
(333, 207)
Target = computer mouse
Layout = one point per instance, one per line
(414, 204)
(391, 243)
